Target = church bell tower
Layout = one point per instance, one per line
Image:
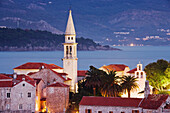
(70, 53)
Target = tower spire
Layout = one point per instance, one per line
(70, 30)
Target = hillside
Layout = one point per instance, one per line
(106, 21)
(30, 40)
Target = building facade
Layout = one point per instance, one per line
(17, 93)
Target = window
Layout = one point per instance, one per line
(135, 111)
(29, 94)
(122, 112)
(23, 85)
(20, 95)
(68, 38)
(8, 95)
(137, 74)
(7, 106)
(110, 111)
(71, 38)
(141, 74)
(29, 106)
(20, 106)
(99, 111)
(70, 50)
(88, 111)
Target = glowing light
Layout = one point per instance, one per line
(131, 44)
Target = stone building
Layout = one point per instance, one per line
(17, 93)
(151, 104)
(155, 103)
(52, 91)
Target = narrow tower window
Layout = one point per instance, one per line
(139, 67)
(68, 38)
(66, 50)
(70, 50)
(71, 38)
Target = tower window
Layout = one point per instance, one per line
(141, 74)
(66, 50)
(70, 50)
(71, 38)
(139, 67)
(137, 74)
(68, 38)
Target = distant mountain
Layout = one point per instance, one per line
(30, 40)
(116, 22)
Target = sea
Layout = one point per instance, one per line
(129, 56)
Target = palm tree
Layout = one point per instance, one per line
(110, 86)
(93, 79)
(129, 83)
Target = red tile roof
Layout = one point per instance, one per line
(16, 81)
(110, 101)
(37, 65)
(115, 67)
(31, 73)
(132, 71)
(58, 84)
(6, 84)
(2, 76)
(81, 73)
(153, 101)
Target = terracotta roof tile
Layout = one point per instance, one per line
(115, 67)
(37, 65)
(153, 101)
(81, 73)
(58, 84)
(5, 83)
(110, 101)
(3, 76)
(132, 71)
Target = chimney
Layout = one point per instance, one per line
(147, 89)
(14, 76)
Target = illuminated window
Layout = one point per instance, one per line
(88, 111)
(135, 111)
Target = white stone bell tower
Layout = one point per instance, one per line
(70, 53)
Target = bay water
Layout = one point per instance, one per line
(129, 56)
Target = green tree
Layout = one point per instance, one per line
(110, 85)
(94, 78)
(158, 74)
(129, 84)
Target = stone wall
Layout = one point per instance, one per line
(4, 101)
(47, 76)
(57, 99)
(19, 96)
(106, 109)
